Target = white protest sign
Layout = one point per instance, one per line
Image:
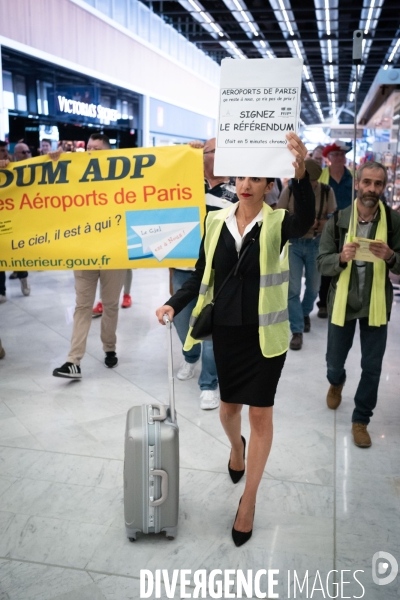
(259, 105)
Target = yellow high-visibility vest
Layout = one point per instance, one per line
(274, 281)
(324, 177)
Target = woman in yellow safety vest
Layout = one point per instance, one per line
(250, 317)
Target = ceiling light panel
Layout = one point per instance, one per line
(370, 13)
(285, 17)
(393, 53)
(246, 21)
(202, 16)
(206, 20)
(286, 20)
(327, 18)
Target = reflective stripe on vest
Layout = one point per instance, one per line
(274, 317)
(214, 224)
(274, 281)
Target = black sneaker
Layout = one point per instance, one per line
(111, 360)
(307, 324)
(68, 370)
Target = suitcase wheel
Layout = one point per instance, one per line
(170, 537)
(132, 539)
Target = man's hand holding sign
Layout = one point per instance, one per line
(365, 211)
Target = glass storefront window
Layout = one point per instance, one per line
(42, 90)
(119, 12)
(20, 93)
(8, 91)
(130, 112)
(396, 158)
(106, 102)
(104, 6)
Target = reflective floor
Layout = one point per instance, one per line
(323, 503)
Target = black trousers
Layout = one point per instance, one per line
(20, 275)
(323, 291)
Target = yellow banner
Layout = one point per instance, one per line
(111, 209)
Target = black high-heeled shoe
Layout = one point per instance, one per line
(241, 537)
(237, 475)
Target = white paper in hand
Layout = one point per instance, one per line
(259, 105)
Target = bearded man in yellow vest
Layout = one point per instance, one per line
(360, 290)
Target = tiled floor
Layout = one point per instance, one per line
(323, 504)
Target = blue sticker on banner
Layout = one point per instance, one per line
(168, 233)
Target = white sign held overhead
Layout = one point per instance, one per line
(259, 105)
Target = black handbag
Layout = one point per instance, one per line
(202, 329)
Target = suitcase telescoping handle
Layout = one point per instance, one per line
(170, 370)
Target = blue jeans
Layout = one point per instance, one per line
(208, 379)
(373, 346)
(303, 253)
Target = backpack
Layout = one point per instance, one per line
(325, 189)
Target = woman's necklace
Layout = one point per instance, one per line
(243, 224)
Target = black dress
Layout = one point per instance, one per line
(245, 375)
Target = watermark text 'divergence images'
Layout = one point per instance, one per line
(262, 583)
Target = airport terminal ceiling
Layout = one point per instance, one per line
(320, 31)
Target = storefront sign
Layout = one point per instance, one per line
(259, 105)
(94, 111)
(103, 210)
(341, 132)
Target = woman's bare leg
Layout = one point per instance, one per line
(259, 448)
(230, 415)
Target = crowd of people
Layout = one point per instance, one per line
(111, 282)
(250, 316)
(261, 236)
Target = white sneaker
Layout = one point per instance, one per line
(2, 298)
(209, 399)
(25, 287)
(186, 371)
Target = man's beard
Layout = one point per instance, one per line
(369, 199)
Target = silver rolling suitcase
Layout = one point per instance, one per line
(151, 467)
